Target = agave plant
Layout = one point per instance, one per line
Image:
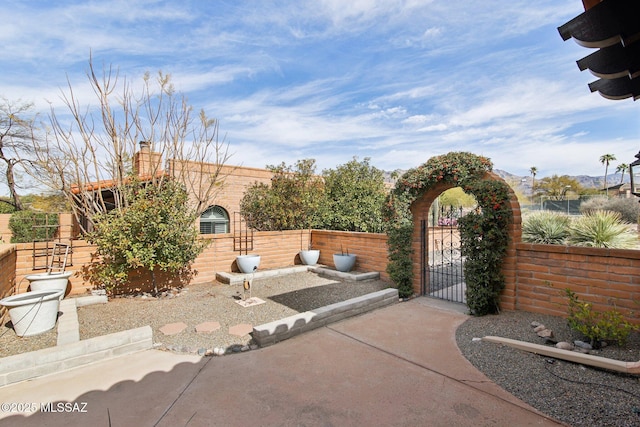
(549, 228)
(602, 229)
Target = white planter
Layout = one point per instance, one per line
(49, 281)
(310, 257)
(34, 312)
(248, 263)
(344, 263)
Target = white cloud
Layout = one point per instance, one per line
(395, 80)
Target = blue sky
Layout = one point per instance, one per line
(398, 81)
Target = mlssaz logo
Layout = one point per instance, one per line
(64, 407)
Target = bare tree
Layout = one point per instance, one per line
(89, 148)
(17, 137)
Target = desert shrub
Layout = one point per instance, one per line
(594, 204)
(602, 229)
(629, 209)
(29, 226)
(597, 326)
(545, 227)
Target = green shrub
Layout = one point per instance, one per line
(29, 226)
(546, 227)
(484, 237)
(602, 229)
(597, 326)
(155, 232)
(291, 202)
(6, 207)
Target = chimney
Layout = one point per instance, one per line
(145, 162)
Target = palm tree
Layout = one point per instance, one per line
(622, 169)
(605, 159)
(533, 171)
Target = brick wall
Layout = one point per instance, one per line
(276, 249)
(7, 274)
(81, 253)
(370, 248)
(604, 277)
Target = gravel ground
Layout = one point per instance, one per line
(283, 295)
(575, 394)
(11, 344)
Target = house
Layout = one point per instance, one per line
(221, 205)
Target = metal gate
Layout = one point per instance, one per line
(442, 258)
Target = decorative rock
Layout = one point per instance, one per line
(539, 328)
(546, 333)
(563, 345)
(219, 351)
(202, 351)
(583, 344)
(535, 324)
(254, 347)
(244, 348)
(209, 352)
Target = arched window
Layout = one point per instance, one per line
(214, 220)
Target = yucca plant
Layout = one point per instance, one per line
(602, 229)
(548, 228)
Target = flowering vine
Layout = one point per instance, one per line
(483, 233)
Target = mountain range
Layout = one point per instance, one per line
(585, 181)
(525, 182)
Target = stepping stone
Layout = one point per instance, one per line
(173, 328)
(207, 327)
(241, 329)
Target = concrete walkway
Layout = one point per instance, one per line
(395, 366)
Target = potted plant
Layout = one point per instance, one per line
(344, 261)
(308, 256)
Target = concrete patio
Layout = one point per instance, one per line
(398, 365)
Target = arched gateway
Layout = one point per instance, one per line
(493, 229)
